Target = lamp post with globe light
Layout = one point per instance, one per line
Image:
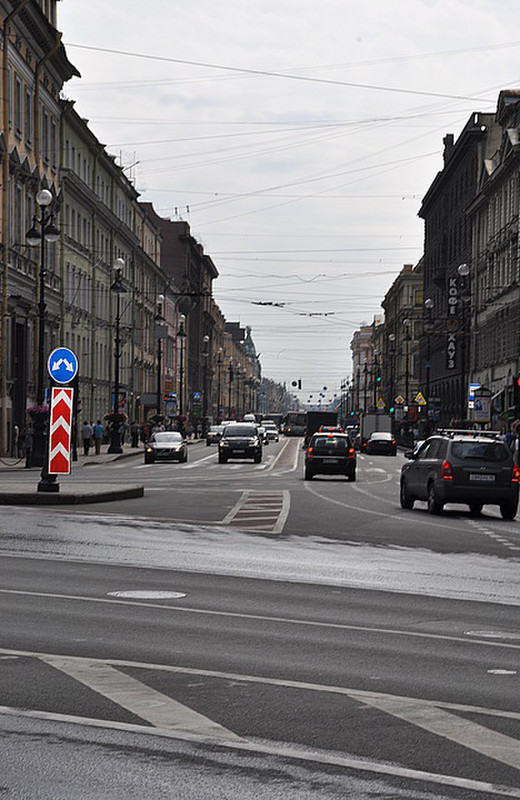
(47, 232)
(118, 289)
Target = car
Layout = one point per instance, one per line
(240, 440)
(330, 454)
(214, 434)
(262, 432)
(475, 468)
(166, 446)
(271, 430)
(381, 443)
(330, 429)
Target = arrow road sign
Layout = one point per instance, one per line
(62, 365)
(60, 430)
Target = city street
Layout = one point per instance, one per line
(240, 632)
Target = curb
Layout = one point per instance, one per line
(70, 496)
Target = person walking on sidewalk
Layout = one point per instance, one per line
(86, 433)
(134, 432)
(98, 432)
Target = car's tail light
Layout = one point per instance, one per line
(515, 477)
(393, 441)
(309, 452)
(446, 473)
(351, 452)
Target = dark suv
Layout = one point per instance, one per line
(240, 440)
(452, 466)
(330, 454)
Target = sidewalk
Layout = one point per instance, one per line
(71, 490)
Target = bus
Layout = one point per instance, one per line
(294, 423)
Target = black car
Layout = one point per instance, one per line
(471, 467)
(381, 443)
(240, 440)
(330, 454)
(166, 446)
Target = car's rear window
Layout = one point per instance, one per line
(239, 430)
(480, 451)
(330, 444)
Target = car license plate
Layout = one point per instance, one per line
(330, 460)
(482, 478)
(240, 451)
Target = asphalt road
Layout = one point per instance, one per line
(239, 632)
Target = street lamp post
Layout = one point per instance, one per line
(160, 333)
(219, 384)
(428, 328)
(391, 353)
(205, 406)
(118, 289)
(181, 336)
(48, 233)
(230, 384)
(238, 373)
(406, 324)
(465, 298)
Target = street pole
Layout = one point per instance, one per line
(181, 336)
(34, 237)
(230, 383)
(160, 333)
(219, 371)
(118, 289)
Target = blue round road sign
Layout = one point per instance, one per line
(62, 365)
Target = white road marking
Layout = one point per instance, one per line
(500, 748)
(469, 734)
(342, 626)
(158, 709)
(267, 509)
(287, 752)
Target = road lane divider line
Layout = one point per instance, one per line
(150, 705)
(340, 626)
(276, 749)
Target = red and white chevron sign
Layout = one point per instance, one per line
(60, 430)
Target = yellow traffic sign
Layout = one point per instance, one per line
(381, 403)
(419, 399)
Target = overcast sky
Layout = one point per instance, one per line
(297, 138)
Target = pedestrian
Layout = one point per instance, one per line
(98, 432)
(16, 441)
(86, 434)
(134, 433)
(27, 445)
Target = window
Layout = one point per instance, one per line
(45, 137)
(28, 118)
(18, 113)
(54, 145)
